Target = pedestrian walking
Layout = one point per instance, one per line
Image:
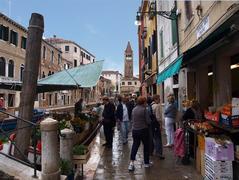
(140, 132)
(149, 109)
(108, 121)
(170, 116)
(123, 118)
(156, 126)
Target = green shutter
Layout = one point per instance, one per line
(174, 31)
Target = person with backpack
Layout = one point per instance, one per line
(156, 117)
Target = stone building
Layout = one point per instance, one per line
(12, 57)
(167, 48)
(72, 51)
(148, 58)
(129, 84)
(208, 40)
(115, 78)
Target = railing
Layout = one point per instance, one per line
(33, 126)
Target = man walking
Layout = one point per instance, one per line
(123, 116)
(156, 126)
(108, 121)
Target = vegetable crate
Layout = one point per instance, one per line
(229, 121)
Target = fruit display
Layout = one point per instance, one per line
(202, 126)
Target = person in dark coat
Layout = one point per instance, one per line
(78, 107)
(108, 121)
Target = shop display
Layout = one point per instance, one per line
(219, 148)
(218, 170)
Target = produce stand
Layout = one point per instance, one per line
(215, 142)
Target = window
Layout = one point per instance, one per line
(11, 68)
(135, 83)
(129, 83)
(123, 83)
(75, 62)
(4, 33)
(68, 99)
(52, 56)
(161, 44)
(75, 49)
(49, 73)
(43, 74)
(154, 42)
(188, 9)
(11, 98)
(174, 31)
(67, 48)
(44, 52)
(43, 96)
(2, 66)
(55, 98)
(50, 100)
(59, 58)
(21, 72)
(13, 37)
(23, 43)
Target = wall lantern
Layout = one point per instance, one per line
(172, 15)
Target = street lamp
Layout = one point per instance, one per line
(172, 15)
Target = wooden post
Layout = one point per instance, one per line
(30, 76)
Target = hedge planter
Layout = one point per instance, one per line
(81, 159)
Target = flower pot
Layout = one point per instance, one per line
(81, 159)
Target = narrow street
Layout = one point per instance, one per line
(114, 165)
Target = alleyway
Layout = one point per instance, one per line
(114, 165)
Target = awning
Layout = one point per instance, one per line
(171, 70)
(228, 27)
(84, 76)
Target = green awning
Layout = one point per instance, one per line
(171, 70)
(85, 76)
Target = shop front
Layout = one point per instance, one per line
(210, 74)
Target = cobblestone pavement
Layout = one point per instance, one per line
(114, 165)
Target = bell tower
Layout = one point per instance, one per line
(128, 62)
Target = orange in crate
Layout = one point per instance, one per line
(201, 142)
(212, 116)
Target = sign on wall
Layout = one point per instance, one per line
(202, 27)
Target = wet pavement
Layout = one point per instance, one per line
(113, 164)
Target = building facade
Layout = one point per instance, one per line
(115, 78)
(129, 84)
(12, 58)
(167, 49)
(72, 51)
(147, 35)
(208, 38)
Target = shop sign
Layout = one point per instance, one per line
(202, 27)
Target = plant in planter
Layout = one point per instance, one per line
(66, 169)
(81, 154)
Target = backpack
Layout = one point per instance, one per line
(154, 123)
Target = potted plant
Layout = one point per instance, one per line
(81, 154)
(66, 169)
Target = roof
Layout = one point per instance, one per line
(13, 22)
(128, 49)
(84, 76)
(56, 40)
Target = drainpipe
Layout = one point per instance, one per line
(178, 50)
(156, 29)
